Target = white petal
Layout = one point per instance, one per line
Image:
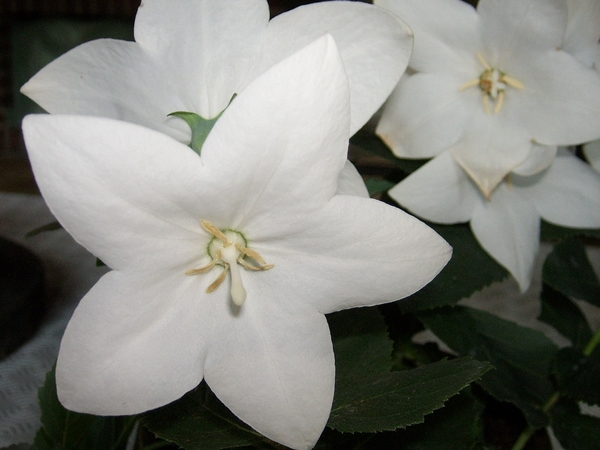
(122, 191)
(281, 144)
(567, 194)
(540, 158)
(374, 45)
(521, 27)
(110, 78)
(560, 103)
(440, 191)
(350, 182)
(583, 28)
(426, 114)
(135, 342)
(271, 362)
(446, 32)
(356, 252)
(592, 153)
(508, 228)
(493, 146)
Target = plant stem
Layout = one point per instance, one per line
(591, 345)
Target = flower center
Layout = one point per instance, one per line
(492, 83)
(228, 249)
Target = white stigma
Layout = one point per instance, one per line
(230, 254)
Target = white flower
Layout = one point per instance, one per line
(260, 203)
(582, 41)
(194, 55)
(508, 224)
(491, 84)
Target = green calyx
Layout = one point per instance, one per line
(200, 126)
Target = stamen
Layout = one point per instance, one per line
(486, 103)
(483, 62)
(201, 269)
(214, 231)
(512, 82)
(469, 84)
(499, 102)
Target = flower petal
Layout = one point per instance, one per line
(508, 228)
(275, 356)
(446, 32)
(560, 103)
(135, 342)
(592, 153)
(540, 157)
(520, 27)
(350, 182)
(279, 147)
(567, 194)
(440, 191)
(493, 146)
(130, 208)
(583, 29)
(374, 45)
(426, 114)
(356, 252)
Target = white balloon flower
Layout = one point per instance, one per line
(225, 263)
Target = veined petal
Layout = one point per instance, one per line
(440, 191)
(508, 228)
(280, 146)
(374, 45)
(426, 114)
(136, 341)
(560, 104)
(493, 146)
(110, 78)
(592, 153)
(540, 157)
(121, 190)
(350, 182)
(521, 27)
(352, 259)
(446, 32)
(275, 356)
(567, 194)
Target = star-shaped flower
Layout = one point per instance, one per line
(224, 264)
(490, 84)
(194, 55)
(508, 224)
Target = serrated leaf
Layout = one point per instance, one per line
(522, 357)
(565, 316)
(470, 270)
(66, 430)
(578, 376)
(551, 232)
(574, 430)
(199, 421)
(371, 143)
(360, 342)
(393, 400)
(568, 270)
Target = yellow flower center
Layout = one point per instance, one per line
(229, 249)
(492, 83)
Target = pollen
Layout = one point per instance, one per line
(492, 83)
(229, 249)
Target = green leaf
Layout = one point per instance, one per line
(522, 357)
(199, 421)
(457, 426)
(66, 430)
(578, 376)
(564, 315)
(360, 342)
(393, 400)
(574, 430)
(551, 232)
(372, 144)
(568, 270)
(470, 270)
(376, 185)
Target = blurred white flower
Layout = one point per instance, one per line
(507, 225)
(224, 264)
(194, 55)
(490, 85)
